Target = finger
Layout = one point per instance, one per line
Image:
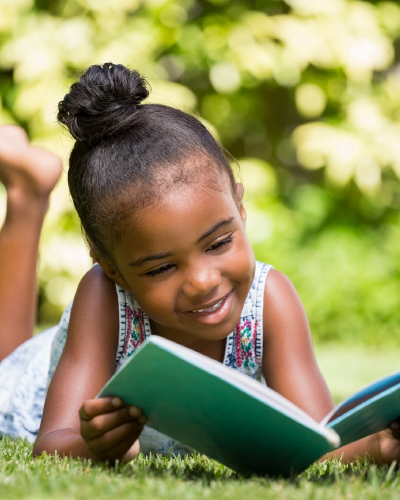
(394, 426)
(100, 424)
(93, 407)
(120, 450)
(126, 433)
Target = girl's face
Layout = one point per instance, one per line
(188, 263)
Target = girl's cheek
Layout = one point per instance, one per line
(157, 297)
(244, 260)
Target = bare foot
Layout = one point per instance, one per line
(24, 169)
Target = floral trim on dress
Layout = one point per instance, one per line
(135, 327)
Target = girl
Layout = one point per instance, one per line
(164, 219)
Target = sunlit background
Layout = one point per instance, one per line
(304, 93)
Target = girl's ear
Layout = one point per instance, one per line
(93, 256)
(113, 273)
(239, 191)
(109, 268)
(239, 197)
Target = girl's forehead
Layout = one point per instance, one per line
(178, 215)
(197, 198)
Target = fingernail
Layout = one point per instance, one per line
(116, 402)
(134, 411)
(142, 419)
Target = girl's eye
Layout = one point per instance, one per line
(160, 270)
(221, 243)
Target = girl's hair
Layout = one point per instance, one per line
(126, 153)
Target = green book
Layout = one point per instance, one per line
(368, 411)
(236, 420)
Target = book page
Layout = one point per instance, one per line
(362, 396)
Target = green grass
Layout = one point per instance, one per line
(346, 369)
(188, 478)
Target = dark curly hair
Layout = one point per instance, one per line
(125, 151)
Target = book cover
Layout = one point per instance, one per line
(368, 411)
(219, 411)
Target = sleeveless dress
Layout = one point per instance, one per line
(26, 373)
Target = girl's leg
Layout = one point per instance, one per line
(29, 175)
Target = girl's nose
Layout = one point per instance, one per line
(201, 281)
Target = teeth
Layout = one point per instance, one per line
(211, 309)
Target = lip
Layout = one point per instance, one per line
(209, 305)
(213, 317)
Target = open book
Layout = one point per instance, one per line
(236, 420)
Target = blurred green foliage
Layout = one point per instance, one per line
(305, 93)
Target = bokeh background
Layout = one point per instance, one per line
(304, 93)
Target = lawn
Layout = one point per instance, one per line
(195, 477)
(347, 368)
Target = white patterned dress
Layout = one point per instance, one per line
(27, 371)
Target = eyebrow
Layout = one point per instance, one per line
(142, 260)
(221, 223)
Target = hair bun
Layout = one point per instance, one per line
(103, 102)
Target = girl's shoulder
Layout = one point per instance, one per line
(95, 302)
(279, 290)
(284, 319)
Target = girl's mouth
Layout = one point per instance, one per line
(210, 309)
(214, 314)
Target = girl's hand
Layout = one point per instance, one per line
(383, 447)
(388, 442)
(109, 428)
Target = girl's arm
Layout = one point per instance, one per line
(290, 368)
(289, 363)
(73, 422)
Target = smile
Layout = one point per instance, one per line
(211, 309)
(214, 313)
